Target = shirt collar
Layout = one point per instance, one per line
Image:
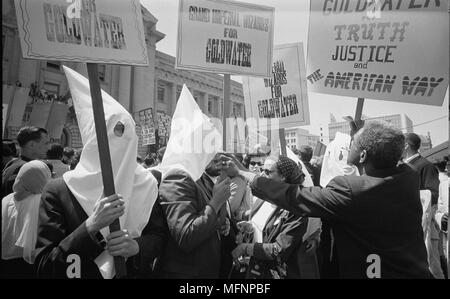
(412, 158)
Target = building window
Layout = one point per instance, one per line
(210, 106)
(102, 72)
(161, 92)
(54, 65)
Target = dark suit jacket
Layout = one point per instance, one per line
(429, 176)
(62, 231)
(369, 215)
(282, 237)
(227, 243)
(193, 247)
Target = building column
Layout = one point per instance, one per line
(173, 99)
(125, 87)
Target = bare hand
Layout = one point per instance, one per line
(120, 243)
(106, 210)
(221, 193)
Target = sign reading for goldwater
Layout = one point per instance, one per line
(225, 37)
(283, 95)
(393, 50)
(97, 31)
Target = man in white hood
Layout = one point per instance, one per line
(74, 215)
(193, 211)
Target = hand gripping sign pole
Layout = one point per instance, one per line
(103, 150)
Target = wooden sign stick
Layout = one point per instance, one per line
(103, 150)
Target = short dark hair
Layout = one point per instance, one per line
(306, 153)
(9, 148)
(27, 134)
(413, 140)
(68, 152)
(441, 165)
(384, 144)
(55, 152)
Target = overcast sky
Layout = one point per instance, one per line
(291, 25)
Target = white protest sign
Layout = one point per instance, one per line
(283, 96)
(99, 31)
(389, 50)
(225, 37)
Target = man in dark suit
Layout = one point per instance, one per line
(306, 153)
(376, 217)
(66, 229)
(193, 211)
(429, 174)
(33, 142)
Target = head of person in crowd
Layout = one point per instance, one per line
(149, 161)
(246, 161)
(214, 168)
(160, 154)
(412, 144)
(20, 211)
(75, 159)
(376, 146)
(139, 159)
(55, 152)
(68, 153)
(256, 163)
(7, 154)
(33, 142)
(12, 146)
(441, 165)
(239, 157)
(306, 153)
(283, 169)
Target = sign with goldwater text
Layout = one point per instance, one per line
(96, 31)
(225, 37)
(393, 50)
(283, 95)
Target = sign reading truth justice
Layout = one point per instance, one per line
(225, 37)
(394, 50)
(97, 31)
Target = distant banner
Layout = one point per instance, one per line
(40, 113)
(320, 149)
(378, 49)
(148, 135)
(97, 31)
(57, 119)
(283, 96)
(225, 37)
(18, 106)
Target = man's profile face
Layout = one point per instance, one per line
(41, 147)
(355, 150)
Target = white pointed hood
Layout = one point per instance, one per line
(137, 185)
(194, 140)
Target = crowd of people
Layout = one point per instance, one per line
(259, 215)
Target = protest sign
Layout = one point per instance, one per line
(98, 31)
(56, 119)
(148, 135)
(283, 95)
(225, 37)
(385, 50)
